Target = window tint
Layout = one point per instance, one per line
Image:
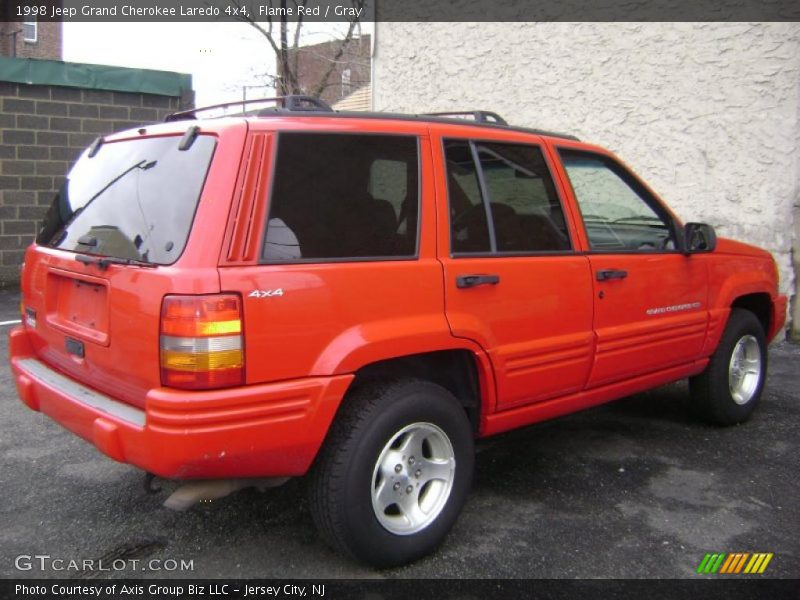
(134, 199)
(343, 196)
(617, 212)
(388, 180)
(468, 229)
(525, 211)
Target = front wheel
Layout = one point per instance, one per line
(728, 391)
(394, 472)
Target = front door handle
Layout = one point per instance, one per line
(468, 281)
(606, 274)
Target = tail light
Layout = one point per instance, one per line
(201, 341)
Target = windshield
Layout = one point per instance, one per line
(134, 199)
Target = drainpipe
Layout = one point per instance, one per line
(794, 313)
(13, 36)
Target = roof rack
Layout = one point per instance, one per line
(283, 104)
(319, 108)
(480, 116)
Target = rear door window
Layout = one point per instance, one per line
(343, 196)
(134, 199)
(512, 190)
(469, 232)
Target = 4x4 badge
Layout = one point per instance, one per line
(265, 293)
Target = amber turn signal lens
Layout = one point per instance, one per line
(201, 341)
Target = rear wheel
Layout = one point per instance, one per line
(394, 472)
(728, 391)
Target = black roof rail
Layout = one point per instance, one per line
(319, 108)
(480, 116)
(283, 103)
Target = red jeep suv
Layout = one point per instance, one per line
(357, 297)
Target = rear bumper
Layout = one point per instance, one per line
(252, 431)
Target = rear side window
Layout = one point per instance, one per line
(134, 199)
(343, 196)
(512, 190)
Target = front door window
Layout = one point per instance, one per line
(618, 213)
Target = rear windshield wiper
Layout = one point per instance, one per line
(103, 261)
(143, 164)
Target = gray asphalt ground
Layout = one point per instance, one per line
(633, 489)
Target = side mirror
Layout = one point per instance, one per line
(699, 237)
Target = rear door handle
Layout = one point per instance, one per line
(606, 274)
(468, 281)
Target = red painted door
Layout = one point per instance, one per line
(650, 300)
(513, 282)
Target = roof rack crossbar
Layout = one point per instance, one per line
(480, 116)
(291, 103)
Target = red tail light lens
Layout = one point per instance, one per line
(202, 346)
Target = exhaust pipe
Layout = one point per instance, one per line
(192, 492)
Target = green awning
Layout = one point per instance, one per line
(94, 77)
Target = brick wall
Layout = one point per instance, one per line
(43, 130)
(47, 45)
(314, 61)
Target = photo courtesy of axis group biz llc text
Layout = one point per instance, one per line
(168, 589)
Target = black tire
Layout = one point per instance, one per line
(711, 391)
(343, 478)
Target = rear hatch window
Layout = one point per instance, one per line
(135, 199)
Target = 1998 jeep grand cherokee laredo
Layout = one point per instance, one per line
(357, 297)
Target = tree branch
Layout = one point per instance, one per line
(345, 42)
(296, 44)
(249, 18)
(288, 57)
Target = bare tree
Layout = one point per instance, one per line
(276, 31)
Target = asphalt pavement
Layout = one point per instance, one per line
(632, 489)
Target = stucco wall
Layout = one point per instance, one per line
(707, 113)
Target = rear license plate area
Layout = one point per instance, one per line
(78, 305)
